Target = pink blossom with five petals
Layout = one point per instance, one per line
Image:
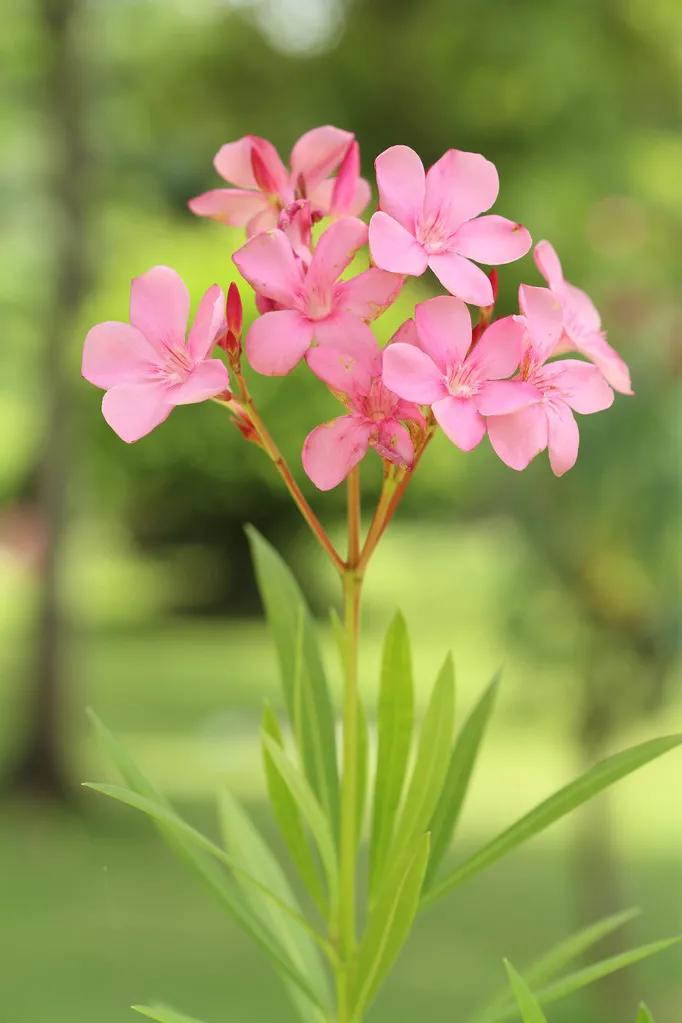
(565, 386)
(146, 366)
(581, 321)
(376, 415)
(312, 304)
(433, 220)
(265, 186)
(433, 363)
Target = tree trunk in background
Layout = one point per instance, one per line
(599, 889)
(41, 765)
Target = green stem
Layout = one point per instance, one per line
(347, 936)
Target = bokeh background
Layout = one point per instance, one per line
(124, 577)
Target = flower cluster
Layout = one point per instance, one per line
(497, 377)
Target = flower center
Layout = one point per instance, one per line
(461, 381)
(318, 302)
(432, 233)
(380, 403)
(178, 364)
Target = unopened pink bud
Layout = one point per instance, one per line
(234, 311)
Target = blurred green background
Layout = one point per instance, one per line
(125, 581)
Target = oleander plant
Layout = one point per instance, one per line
(366, 814)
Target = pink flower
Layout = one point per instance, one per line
(147, 367)
(581, 321)
(312, 305)
(265, 186)
(433, 220)
(461, 383)
(565, 386)
(374, 417)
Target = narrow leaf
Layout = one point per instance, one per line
(394, 726)
(430, 764)
(284, 605)
(644, 1015)
(596, 971)
(245, 845)
(553, 961)
(162, 1014)
(525, 999)
(461, 767)
(288, 817)
(390, 922)
(166, 816)
(573, 982)
(363, 737)
(205, 865)
(558, 805)
(310, 811)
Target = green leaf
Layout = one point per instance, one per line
(390, 922)
(461, 767)
(553, 961)
(644, 1015)
(394, 727)
(310, 810)
(245, 845)
(186, 836)
(162, 1014)
(430, 764)
(525, 999)
(288, 817)
(285, 606)
(558, 805)
(573, 982)
(605, 967)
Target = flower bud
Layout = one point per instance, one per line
(234, 311)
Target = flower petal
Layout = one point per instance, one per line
(318, 153)
(610, 363)
(459, 186)
(277, 341)
(517, 438)
(412, 374)
(233, 206)
(369, 293)
(159, 306)
(116, 353)
(581, 316)
(401, 183)
(492, 240)
(406, 333)
(460, 421)
(347, 368)
(205, 381)
(563, 438)
(548, 263)
(444, 330)
(268, 263)
(209, 323)
(500, 397)
(461, 278)
(499, 349)
(544, 318)
(233, 161)
(394, 248)
(394, 443)
(133, 410)
(334, 251)
(344, 330)
(582, 386)
(330, 451)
